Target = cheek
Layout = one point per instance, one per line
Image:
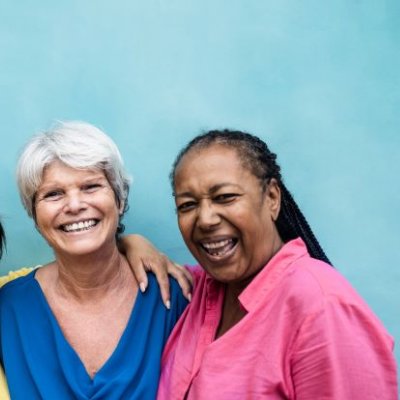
(44, 229)
(184, 225)
(43, 216)
(245, 219)
(108, 205)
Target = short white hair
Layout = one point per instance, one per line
(78, 145)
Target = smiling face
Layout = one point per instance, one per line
(225, 217)
(76, 210)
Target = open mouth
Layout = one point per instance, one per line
(79, 226)
(219, 248)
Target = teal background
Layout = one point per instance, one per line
(318, 80)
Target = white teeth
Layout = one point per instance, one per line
(78, 226)
(220, 247)
(216, 245)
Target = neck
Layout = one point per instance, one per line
(231, 314)
(91, 277)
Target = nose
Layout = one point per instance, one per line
(74, 203)
(208, 216)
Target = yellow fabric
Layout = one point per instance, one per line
(4, 395)
(14, 274)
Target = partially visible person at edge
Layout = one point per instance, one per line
(79, 327)
(270, 317)
(3, 385)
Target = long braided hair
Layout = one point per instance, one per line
(2, 240)
(257, 158)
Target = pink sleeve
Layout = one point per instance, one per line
(343, 352)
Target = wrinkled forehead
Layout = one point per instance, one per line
(57, 164)
(203, 154)
(205, 150)
(58, 172)
(210, 166)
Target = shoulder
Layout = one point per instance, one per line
(312, 286)
(318, 292)
(153, 283)
(13, 275)
(178, 301)
(17, 288)
(175, 289)
(17, 281)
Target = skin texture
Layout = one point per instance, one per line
(68, 196)
(222, 207)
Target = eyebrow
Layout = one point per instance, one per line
(56, 184)
(212, 190)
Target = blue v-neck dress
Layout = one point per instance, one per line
(40, 363)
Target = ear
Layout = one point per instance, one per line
(273, 196)
(121, 208)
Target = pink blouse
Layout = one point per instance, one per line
(306, 335)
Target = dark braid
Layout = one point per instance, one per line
(291, 224)
(257, 158)
(2, 240)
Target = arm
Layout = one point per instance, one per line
(343, 352)
(143, 257)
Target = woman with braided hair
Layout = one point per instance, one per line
(270, 318)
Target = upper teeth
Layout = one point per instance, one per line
(79, 225)
(216, 245)
(220, 247)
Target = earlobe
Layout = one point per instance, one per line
(121, 208)
(274, 194)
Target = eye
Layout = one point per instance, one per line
(52, 195)
(225, 198)
(91, 187)
(186, 206)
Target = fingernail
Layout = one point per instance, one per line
(142, 287)
(189, 297)
(168, 304)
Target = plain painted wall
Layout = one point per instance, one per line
(318, 80)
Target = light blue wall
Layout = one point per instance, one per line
(318, 80)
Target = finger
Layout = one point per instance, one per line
(188, 274)
(159, 267)
(163, 281)
(139, 268)
(183, 277)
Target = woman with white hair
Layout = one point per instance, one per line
(79, 327)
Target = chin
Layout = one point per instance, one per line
(80, 250)
(223, 276)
